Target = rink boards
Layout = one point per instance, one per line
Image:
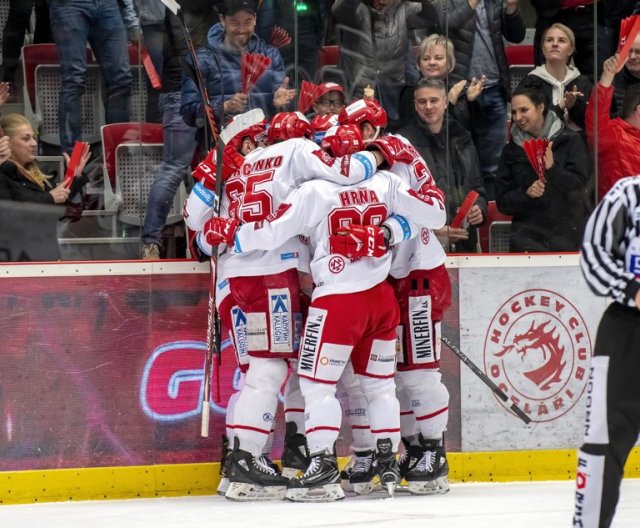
(101, 379)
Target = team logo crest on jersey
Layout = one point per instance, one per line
(324, 157)
(281, 324)
(425, 235)
(634, 265)
(538, 350)
(336, 264)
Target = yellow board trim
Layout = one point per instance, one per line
(130, 482)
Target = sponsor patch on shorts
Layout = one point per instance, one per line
(257, 337)
(421, 330)
(310, 343)
(239, 329)
(281, 331)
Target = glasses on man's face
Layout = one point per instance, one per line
(336, 103)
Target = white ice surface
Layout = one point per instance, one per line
(477, 505)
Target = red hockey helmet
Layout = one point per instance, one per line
(320, 124)
(256, 133)
(288, 125)
(343, 140)
(362, 111)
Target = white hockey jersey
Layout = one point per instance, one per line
(423, 251)
(264, 182)
(318, 208)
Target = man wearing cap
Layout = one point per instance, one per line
(220, 64)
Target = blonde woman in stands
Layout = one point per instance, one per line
(29, 200)
(436, 59)
(564, 85)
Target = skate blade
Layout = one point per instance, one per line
(290, 473)
(326, 493)
(240, 491)
(223, 486)
(391, 489)
(347, 486)
(362, 488)
(430, 487)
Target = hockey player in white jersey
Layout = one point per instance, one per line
(198, 209)
(423, 290)
(353, 314)
(265, 286)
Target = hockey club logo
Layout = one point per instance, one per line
(425, 235)
(537, 350)
(336, 264)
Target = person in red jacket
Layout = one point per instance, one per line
(617, 140)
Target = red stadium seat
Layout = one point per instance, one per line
(494, 234)
(328, 56)
(519, 54)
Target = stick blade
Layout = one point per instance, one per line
(171, 5)
(240, 123)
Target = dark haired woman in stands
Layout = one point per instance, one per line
(29, 201)
(547, 215)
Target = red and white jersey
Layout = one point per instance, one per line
(264, 182)
(319, 208)
(423, 251)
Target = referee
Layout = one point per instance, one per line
(610, 262)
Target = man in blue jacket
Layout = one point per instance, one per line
(220, 63)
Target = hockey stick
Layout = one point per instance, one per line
(474, 368)
(175, 8)
(240, 123)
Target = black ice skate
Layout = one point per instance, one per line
(320, 482)
(252, 478)
(387, 466)
(225, 459)
(362, 472)
(295, 456)
(410, 458)
(430, 476)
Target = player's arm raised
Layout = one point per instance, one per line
(424, 207)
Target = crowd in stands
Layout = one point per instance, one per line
(438, 67)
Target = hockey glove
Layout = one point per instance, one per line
(205, 172)
(220, 230)
(231, 162)
(431, 194)
(356, 241)
(392, 150)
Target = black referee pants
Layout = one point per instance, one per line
(612, 420)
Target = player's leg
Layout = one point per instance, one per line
(295, 455)
(334, 324)
(357, 475)
(430, 404)
(270, 307)
(225, 307)
(374, 360)
(612, 417)
(423, 296)
(250, 475)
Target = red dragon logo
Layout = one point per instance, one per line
(537, 350)
(537, 338)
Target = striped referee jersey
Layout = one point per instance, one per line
(610, 254)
